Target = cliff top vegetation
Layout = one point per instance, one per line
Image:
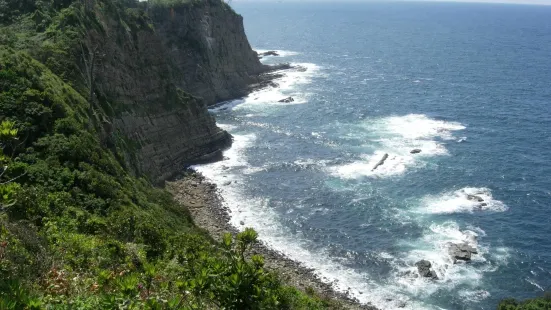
(77, 229)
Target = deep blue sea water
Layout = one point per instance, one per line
(468, 84)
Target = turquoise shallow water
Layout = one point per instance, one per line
(468, 84)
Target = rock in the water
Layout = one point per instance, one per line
(268, 53)
(423, 266)
(242, 223)
(475, 198)
(461, 251)
(381, 162)
(272, 84)
(227, 183)
(415, 151)
(287, 100)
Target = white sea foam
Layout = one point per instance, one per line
(397, 136)
(534, 283)
(415, 127)
(393, 165)
(433, 246)
(256, 213)
(288, 85)
(476, 295)
(465, 200)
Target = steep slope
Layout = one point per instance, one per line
(149, 70)
(210, 49)
(89, 99)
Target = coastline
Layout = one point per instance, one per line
(206, 207)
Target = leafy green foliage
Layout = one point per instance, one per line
(8, 189)
(77, 230)
(541, 303)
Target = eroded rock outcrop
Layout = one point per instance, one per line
(158, 81)
(209, 50)
(268, 53)
(424, 269)
(461, 251)
(381, 162)
(287, 100)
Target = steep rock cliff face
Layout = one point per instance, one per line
(210, 49)
(157, 77)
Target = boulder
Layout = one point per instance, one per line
(268, 53)
(272, 84)
(423, 266)
(475, 198)
(287, 100)
(461, 251)
(415, 151)
(381, 162)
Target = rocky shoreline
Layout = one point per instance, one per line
(206, 206)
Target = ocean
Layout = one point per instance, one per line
(469, 85)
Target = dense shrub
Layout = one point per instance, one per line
(77, 230)
(541, 303)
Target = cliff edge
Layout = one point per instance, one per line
(160, 67)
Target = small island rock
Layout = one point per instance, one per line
(423, 266)
(381, 162)
(268, 53)
(475, 198)
(287, 100)
(461, 251)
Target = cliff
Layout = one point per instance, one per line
(95, 94)
(159, 71)
(209, 48)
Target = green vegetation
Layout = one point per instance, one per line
(542, 303)
(77, 230)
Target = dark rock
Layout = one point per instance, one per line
(227, 183)
(461, 251)
(483, 204)
(402, 304)
(273, 84)
(415, 151)
(242, 223)
(381, 162)
(178, 134)
(475, 198)
(301, 69)
(268, 53)
(287, 100)
(423, 266)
